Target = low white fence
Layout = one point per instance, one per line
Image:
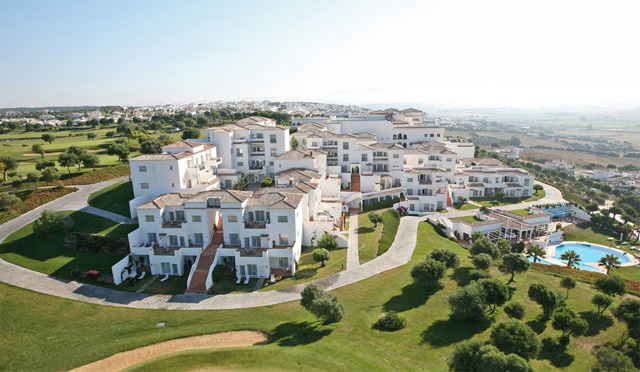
(119, 271)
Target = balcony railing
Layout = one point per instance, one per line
(173, 224)
(256, 224)
(256, 166)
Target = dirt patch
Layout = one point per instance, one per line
(126, 359)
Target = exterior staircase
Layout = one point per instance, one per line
(449, 199)
(355, 182)
(199, 279)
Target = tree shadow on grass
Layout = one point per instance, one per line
(539, 324)
(412, 296)
(447, 332)
(555, 352)
(365, 230)
(461, 276)
(597, 322)
(306, 273)
(298, 333)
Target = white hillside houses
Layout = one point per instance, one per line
(192, 219)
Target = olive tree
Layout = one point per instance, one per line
(428, 272)
(567, 321)
(611, 285)
(482, 261)
(448, 258)
(467, 303)
(567, 283)
(513, 263)
(545, 297)
(484, 245)
(321, 255)
(515, 337)
(602, 301)
(515, 310)
(495, 293)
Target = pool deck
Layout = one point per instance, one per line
(551, 251)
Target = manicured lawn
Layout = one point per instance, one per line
(465, 206)
(228, 285)
(371, 241)
(521, 212)
(493, 202)
(87, 332)
(47, 255)
(537, 195)
(173, 285)
(309, 269)
(114, 198)
(471, 219)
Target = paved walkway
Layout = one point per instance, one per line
(353, 260)
(398, 255)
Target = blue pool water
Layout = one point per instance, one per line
(579, 266)
(589, 253)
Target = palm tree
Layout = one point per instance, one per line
(609, 261)
(571, 257)
(537, 252)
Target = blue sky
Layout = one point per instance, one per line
(489, 53)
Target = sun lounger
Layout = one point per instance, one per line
(247, 281)
(239, 280)
(273, 278)
(142, 275)
(166, 276)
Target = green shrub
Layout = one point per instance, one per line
(391, 321)
(217, 273)
(515, 310)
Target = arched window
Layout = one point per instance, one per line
(404, 145)
(405, 136)
(394, 136)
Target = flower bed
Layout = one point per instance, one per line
(32, 199)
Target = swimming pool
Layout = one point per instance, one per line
(590, 252)
(579, 266)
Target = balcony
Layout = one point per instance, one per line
(172, 224)
(256, 224)
(256, 166)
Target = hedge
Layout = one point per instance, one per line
(380, 205)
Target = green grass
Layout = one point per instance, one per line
(371, 241)
(493, 202)
(174, 285)
(228, 285)
(309, 269)
(521, 212)
(114, 198)
(471, 219)
(87, 332)
(465, 206)
(47, 255)
(537, 195)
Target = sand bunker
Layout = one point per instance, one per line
(126, 359)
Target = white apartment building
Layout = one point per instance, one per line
(184, 166)
(192, 220)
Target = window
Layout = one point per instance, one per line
(273, 152)
(283, 262)
(213, 202)
(252, 270)
(180, 216)
(431, 135)
(198, 238)
(396, 156)
(227, 183)
(241, 164)
(526, 182)
(420, 161)
(171, 167)
(364, 157)
(255, 241)
(148, 218)
(283, 218)
(272, 138)
(345, 145)
(345, 157)
(196, 218)
(271, 164)
(173, 240)
(284, 239)
(426, 135)
(438, 134)
(151, 237)
(449, 159)
(409, 179)
(232, 218)
(142, 168)
(314, 144)
(234, 239)
(144, 186)
(448, 169)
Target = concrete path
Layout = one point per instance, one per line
(398, 255)
(353, 260)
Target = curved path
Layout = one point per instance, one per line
(398, 255)
(126, 359)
